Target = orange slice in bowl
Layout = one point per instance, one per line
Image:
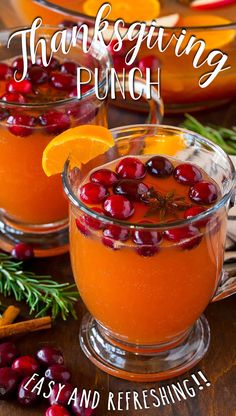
(214, 38)
(129, 10)
(80, 144)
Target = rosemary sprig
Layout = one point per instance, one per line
(225, 138)
(42, 294)
(164, 205)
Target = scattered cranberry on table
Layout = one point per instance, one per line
(8, 381)
(58, 373)
(64, 395)
(57, 410)
(49, 355)
(22, 251)
(25, 365)
(25, 395)
(8, 352)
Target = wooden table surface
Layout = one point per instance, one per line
(219, 399)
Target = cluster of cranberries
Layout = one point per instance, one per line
(43, 84)
(16, 379)
(119, 192)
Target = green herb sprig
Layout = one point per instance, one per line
(225, 138)
(42, 294)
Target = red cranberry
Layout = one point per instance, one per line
(120, 64)
(131, 188)
(54, 63)
(22, 251)
(193, 211)
(146, 237)
(25, 365)
(109, 242)
(8, 381)
(159, 166)
(93, 222)
(69, 67)
(58, 373)
(147, 251)
(21, 124)
(25, 395)
(203, 192)
(114, 43)
(18, 64)
(104, 176)
(13, 97)
(37, 75)
(131, 168)
(187, 174)
(61, 397)
(116, 233)
(68, 23)
(23, 87)
(93, 193)
(150, 61)
(117, 206)
(49, 355)
(187, 237)
(5, 71)
(81, 227)
(63, 81)
(79, 410)
(8, 352)
(57, 410)
(55, 121)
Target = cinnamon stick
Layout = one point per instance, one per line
(26, 327)
(9, 315)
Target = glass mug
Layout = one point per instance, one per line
(33, 208)
(145, 321)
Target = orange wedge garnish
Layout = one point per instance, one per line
(214, 39)
(80, 144)
(129, 10)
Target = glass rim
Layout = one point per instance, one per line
(157, 226)
(61, 9)
(63, 101)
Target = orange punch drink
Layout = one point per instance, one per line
(32, 111)
(147, 234)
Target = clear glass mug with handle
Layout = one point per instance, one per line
(33, 208)
(145, 321)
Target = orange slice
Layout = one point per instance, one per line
(164, 145)
(214, 39)
(80, 144)
(129, 10)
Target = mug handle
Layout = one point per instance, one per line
(226, 287)
(155, 103)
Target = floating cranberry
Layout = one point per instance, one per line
(146, 237)
(203, 192)
(63, 81)
(13, 97)
(22, 251)
(61, 396)
(187, 174)
(5, 71)
(23, 87)
(93, 222)
(58, 373)
(25, 395)
(131, 188)
(25, 365)
(159, 166)
(8, 381)
(131, 168)
(114, 44)
(147, 251)
(93, 193)
(53, 64)
(117, 206)
(55, 121)
(37, 75)
(196, 210)
(117, 233)
(187, 237)
(150, 61)
(120, 64)
(69, 67)
(57, 410)
(109, 242)
(8, 352)
(20, 124)
(104, 176)
(49, 355)
(81, 227)
(18, 64)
